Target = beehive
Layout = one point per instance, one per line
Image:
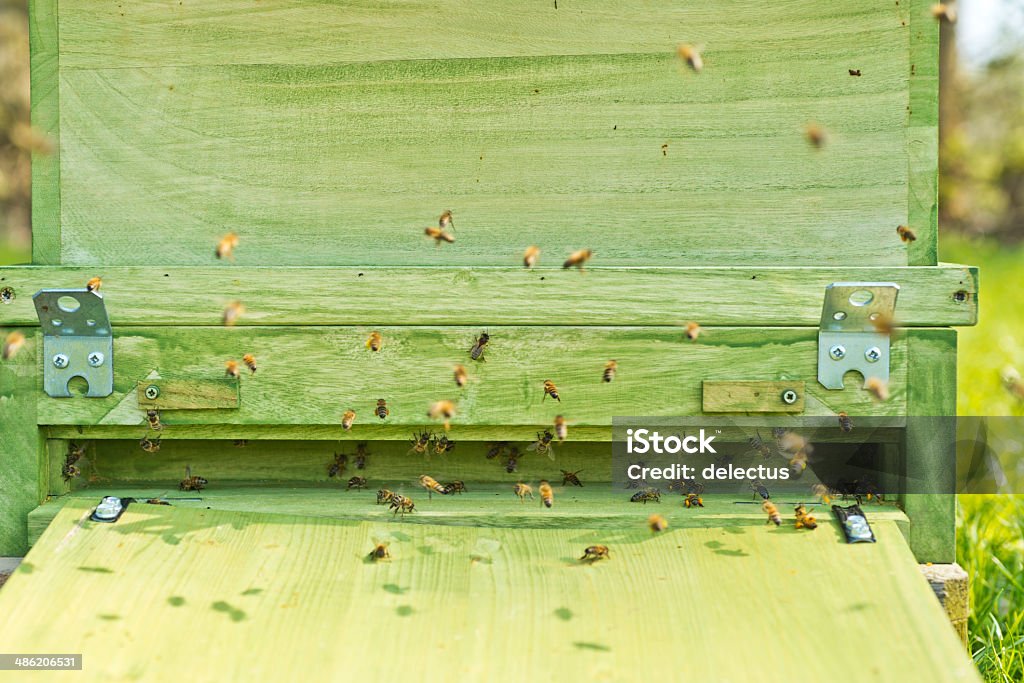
(328, 137)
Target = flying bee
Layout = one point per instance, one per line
(496, 449)
(403, 504)
(250, 362)
(551, 390)
(692, 331)
(823, 493)
(445, 221)
(337, 467)
(772, 512)
(477, 352)
(693, 500)
(530, 256)
(381, 410)
(609, 371)
(815, 135)
(460, 376)
(360, 457)
(442, 410)
(439, 235)
(883, 323)
(191, 483)
(543, 445)
(594, 553)
(375, 342)
(1012, 382)
(442, 445)
(12, 344)
(797, 464)
(75, 453)
(356, 483)
(877, 388)
(456, 486)
(149, 445)
(420, 442)
(561, 428)
(384, 496)
(906, 234)
(153, 417)
(578, 259)
(944, 12)
(226, 246)
(657, 523)
(760, 445)
(232, 312)
(93, 285)
(759, 489)
(845, 423)
(380, 552)
(793, 443)
(512, 461)
(347, 418)
(647, 494)
(547, 496)
(231, 369)
(570, 478)
(691, 56)
(432, 486)
(70, 471)
(804, 520)
(522, 490)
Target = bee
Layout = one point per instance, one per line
(779, 432)
(1012, 381)
(403, 504)
(380, 552)
(793, 443)
(460, 376)
(250, 362)
(647, 494)
(375, 341)
(664, 150)
(381, 410)
(232, 312)
(906, 234)
(804, 520)
(191, 483)
(609, 371)
(845, 423)
(759, 489)
(883, 323)
(547, 496)
(456, 486)
(815, 135)
(822, 493)
(231, 369)
(70, 471)
(522, 490)
(530, 256)
(420, 442)
(337, 467)
(693, 500)
(153, 417)
(691, 56)
(442, 409)
(12, 344)
(571, 478)
(477, 352)
(692, 331)
(854, 72)
(877, 388)
(561, 428)
(496, 449)
(75, 453)
(543, 445)
(156, 501)
(347, 418)
(445, 221)
(760, 445)
(551, 390)
(772, 512)
(657, 523)
(944, 12)
(432, 486)
(93, 285)
(360, 457)
(578, 259)
(149, 445)
(512, 462)
(240, 443)
(384, 496)
(356, 483)
(439, 235)
(226, 246)
(443, 445)
(594, 553)
(797, 464)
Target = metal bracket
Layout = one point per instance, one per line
(848, 339)
(77, 341)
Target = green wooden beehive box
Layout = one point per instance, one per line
(327, 136)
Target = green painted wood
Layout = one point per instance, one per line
(762, 296)
(253, 583)
(923, 132)
(732, 396)
(189, 394)
(44, 38)
(20, 443)
(312, 375)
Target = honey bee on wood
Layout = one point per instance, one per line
(594, 553)
(360, 456)
(381, 410)
(226, 246)
(561, 428)
(551, 390)
(664, 150)
(845, 423)
(570, 478)
(384, 496)
(944, 12)
(815, 135)
(442, 410)
(512, 461)
(804, 520)
(403, 504)
(691, 56)
(420, 442)
(543, 445)
(460, 376)
(156, 501)
(496, 449)
(347, 418)
(657, 523)
(192, 483)
(854, 72)
(456, 486)
(153, 418)
(906, 234)
(375, 342)
(531, 256)
(439, 235)
(693, 500)
(231, 369)
(772, 512)
(337, 467)
(250, 362)
(578, 259)
(878, 388)
(522, 490)
(445, 221)
(760, 489)
(12, 344)
(149, 445)
(356, 483)
(94, 284)
(692, 331)
(547, 496)
(380, 552)
(232, 312)
(477, 352)
(610, 369)
(646, 495)
(442, 444)
(432, 486)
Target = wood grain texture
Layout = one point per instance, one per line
(312, 375)
(254, 583)
(188, 394)
(44, 39)
(732, 396)
(923, 132)
(20, 443)
(762, 296)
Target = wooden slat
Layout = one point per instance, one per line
(923, 131)
(741, 396)
(21, 482)
(187, 394)
(45, 84)
(755, 296)
(280, 593)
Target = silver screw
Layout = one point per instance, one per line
(789, 396)
(152, 391)
(60, 361)
(873, 354)
(95, 359)
(837, 352)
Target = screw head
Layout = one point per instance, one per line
(95, 359)
(60, 361)
(873, 354)
(789, 397)
(837, 352)
(152, 391)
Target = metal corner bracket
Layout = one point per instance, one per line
(77, 341)
(849, 338)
